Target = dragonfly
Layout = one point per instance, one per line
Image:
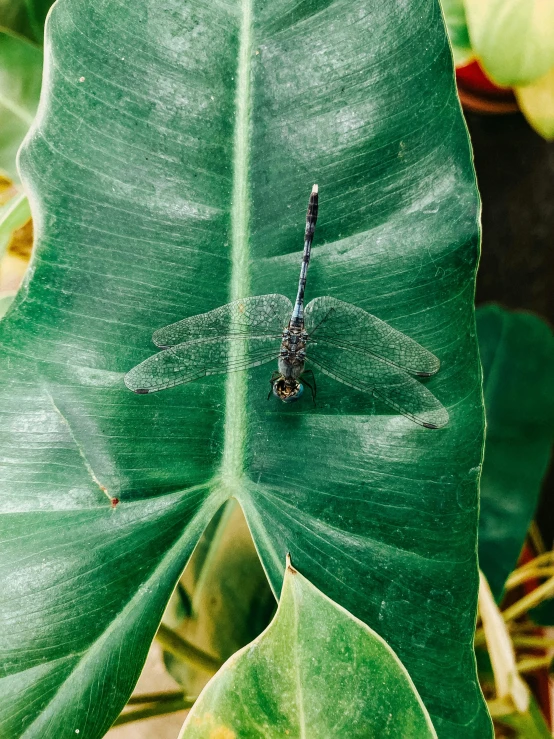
(341, 340)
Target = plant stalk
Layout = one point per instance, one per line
(155, 697)
(161, 708)
(186, 651)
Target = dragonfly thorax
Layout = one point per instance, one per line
(293, 353)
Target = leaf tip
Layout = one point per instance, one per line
(289, 567)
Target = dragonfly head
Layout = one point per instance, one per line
(287, 392)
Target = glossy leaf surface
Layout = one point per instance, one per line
(315, 672)
(20, 82)
(517, 352)
(169, 169)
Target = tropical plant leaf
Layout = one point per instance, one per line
(317, 672)
(168, 173)
(517, 352)
(513, 40)
(20, 82)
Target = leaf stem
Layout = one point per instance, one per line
(536, 538)
(547, 558)
(535, 642)
(531, 664)
(519, 577)
(155, 697)
(532, 599)
(508, 684)
(186, 651)
(161, 708)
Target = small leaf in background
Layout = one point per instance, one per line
(537, 104)
(528, 725)
(13, 215)
(316, 672)
(20, 83)
(5, 302)
(454, 15)
(25, 17)
(513, 39)
(517, 353)
(16, 241)
(230, 598)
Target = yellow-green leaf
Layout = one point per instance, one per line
(514, 39)
(537, 104)
(315, 672)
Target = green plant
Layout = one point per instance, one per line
(165, 179)
(514, 44)
(517, 353)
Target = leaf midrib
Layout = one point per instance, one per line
(231, 469)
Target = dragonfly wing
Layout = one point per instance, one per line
(261, 315)
(385, 381)
(346, 325)
(195, 359)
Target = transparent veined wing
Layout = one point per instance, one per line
(195, 359)
(261, 315)
(385, 381)
(343, 324)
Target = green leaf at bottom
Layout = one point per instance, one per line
(317, 671)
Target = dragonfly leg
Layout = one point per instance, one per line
(274, 377)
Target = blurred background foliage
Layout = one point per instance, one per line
(504, 56)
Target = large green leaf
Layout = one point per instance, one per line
(20, 82)
(517, 352)
(315, 672)
(168, 171)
